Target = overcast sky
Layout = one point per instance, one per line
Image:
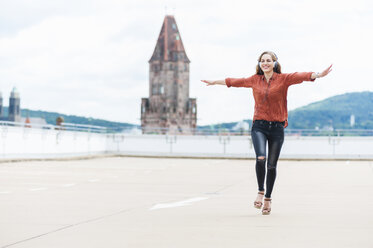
(90, 57)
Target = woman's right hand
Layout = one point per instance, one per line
(209, 82)
(213, 82)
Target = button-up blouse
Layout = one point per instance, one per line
(270, 97)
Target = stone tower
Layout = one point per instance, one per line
(14, 106)
(169, 107)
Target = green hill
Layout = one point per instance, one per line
(335, 112)
(51, 117)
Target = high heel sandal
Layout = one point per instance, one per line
(266, 210)
(258, 204)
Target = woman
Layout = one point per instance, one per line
(270, 88)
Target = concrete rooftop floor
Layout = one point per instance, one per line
(155, 202)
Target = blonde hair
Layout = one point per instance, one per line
(277, 67)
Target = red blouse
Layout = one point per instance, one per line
(270, 98)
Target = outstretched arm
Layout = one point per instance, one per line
(214, 82)
(322, 74)
(232, 82)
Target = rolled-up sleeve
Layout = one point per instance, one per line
(239, 82)
(298, 77)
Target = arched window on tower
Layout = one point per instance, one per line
(174, 107)
(155, 68)
(154, 89)
(188, 106)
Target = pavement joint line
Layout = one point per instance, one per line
(69, 185)
(37, 189)
(74, 225)
(94, 180)
(227, 187)
(41, 184)
(77, 224)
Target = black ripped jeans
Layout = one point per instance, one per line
(261, 133)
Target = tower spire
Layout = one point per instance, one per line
(169, 45)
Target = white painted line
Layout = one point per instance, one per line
(37, 189)
(5, 192)
(178, 204)
(69, 185)
(93, 180)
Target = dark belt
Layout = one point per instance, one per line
(271, 122)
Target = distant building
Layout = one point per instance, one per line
(242, 126)
(352, 120)
(169, 106)
(14, 111)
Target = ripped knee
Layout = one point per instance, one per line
(261, 158)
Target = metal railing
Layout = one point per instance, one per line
(334, 132)
(185, 131)
(63, 127)
(231, 132)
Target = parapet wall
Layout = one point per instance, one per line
(295, 147)
(26, 142)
